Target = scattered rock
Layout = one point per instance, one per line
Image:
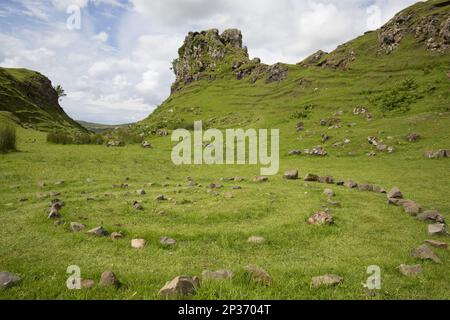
(395, 193)
(76, 227)
(167, 241)
(328, 280)
(291, 175)
(256, 240)
(437, 229)
(180, 286)
(146, 145)
(109, 279)
(140, 192)
(326, 179)
(350, 184)
(300, 126)
(437, 154)
(294, 153)
(276, 73)
(431, 215)
(259, 275)
(311, 177)
(413, 137)
(410, 271)
(412, 207)
(115, 143)
(215, 186)
(54, 193)
(316, 151)
(437, 244)
(329, 193)
(424, 252)
(321, 218)
(161, 198)
(54, 214)
(138, 243)
(137, 205)
(365, 187)
(8, 280)
(217, 275)
(261, 179)
(334, 203)
(379, 189)
(116, 235)
(99, 232)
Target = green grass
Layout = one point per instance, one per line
(212, 231)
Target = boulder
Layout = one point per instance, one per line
(137, 205)
(321, 218)
(180, 286)
(261, 179)
(259, 275)
(437, 154)
(291, 175)
(411, 207)
(116, 235)
(329, 193)
(217, 275)
(109, 279)
(310, 177)
(379, 189)
(395, 193)
(165, 241)
(437, 229)
(424, 253)
(140, 192)
(138, 243)
(365, 187)
(437, 244)
(8, 280)
(410, 271)
(160, 198)
(431, 215)
(326, 179)
(99, 232)
(350, 184)
(327, 280)
(76, 227)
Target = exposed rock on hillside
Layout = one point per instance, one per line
(205, 54)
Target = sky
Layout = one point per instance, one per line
(113, 57)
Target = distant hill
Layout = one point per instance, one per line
(396, 73)
(30, 99)
(100, 128)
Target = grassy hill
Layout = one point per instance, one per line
(400, 78)
(31, 100)
(100, 128)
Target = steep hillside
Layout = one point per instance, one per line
(400, 74)
(30, 98)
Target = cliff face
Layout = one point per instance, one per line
(207, 54)
(31, 98)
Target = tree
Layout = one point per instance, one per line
(60, 91)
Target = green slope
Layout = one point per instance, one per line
(31, 99)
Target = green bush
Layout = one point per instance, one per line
(60, 137)
(399, 98)
(7, 138)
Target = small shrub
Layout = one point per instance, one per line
(304, 113)
(399, 98)
(60, 137)
(7, 138)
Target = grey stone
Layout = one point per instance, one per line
(291, 175)
(437, 229)
(109, 279)
(8, 280)
(395, 193)
(410, 271)
(437, 244)
(180, 286)
(424, 252)
(99, 232)
(167, 241)
(76, 227)
(259, 275)
(431, 215)
(327, 280)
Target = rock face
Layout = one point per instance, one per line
(313, 59)
(180, 286)
(8, 280)
(259, 275)
(433, 30)
(326, 280)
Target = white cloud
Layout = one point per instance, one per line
(117, 70)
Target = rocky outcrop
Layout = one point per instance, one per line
(433, 30)
(313, 59)
(204, 54)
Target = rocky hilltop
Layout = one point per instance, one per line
(206, 54)
(31, 99)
